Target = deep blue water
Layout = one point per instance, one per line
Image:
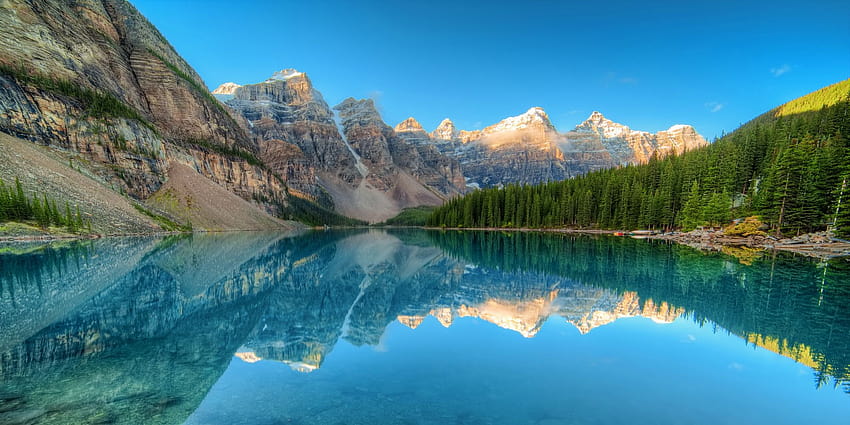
(416, 327)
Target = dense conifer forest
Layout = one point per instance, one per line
(790, 166)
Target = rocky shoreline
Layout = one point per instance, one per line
(820, 244)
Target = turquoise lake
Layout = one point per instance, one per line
(419, 327)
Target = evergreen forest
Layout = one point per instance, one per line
(790, 166)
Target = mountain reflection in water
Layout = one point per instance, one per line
(137, 330)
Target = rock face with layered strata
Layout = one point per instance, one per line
(617, 144)
(520, 149)
(97, 81)
(529, 149)
(426, 162)
(296, 131)
(345, 158)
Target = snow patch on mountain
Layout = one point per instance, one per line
(358, 163)
(532, 117)
(285, 74)
(226, 88)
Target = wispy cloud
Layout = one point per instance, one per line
(613, 77)
(376, 96)
(714, 106)
(778, 71)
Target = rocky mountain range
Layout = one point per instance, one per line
(102, 90)
(345, 158)
(529, 149)
(348, 159)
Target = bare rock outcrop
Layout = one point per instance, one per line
(96, 79)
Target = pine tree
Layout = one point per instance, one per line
(691, 215)
(69, 219)
(716, 211)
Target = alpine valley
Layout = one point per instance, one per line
(125, 130)
(280, 250)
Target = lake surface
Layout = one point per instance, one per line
(416, 327)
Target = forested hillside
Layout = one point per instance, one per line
(790, 166)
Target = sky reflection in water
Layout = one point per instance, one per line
(419, 327)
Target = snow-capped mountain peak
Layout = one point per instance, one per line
(533, 117)
(597, 123)
(679, 127)
(409, 124)
(445, 131)
(226, 88)
(284, 75)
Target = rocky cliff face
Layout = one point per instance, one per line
(296, 132)
(97, 80)
(518, 149)
(346, 157)
(622, 145)
(426, 162)
(528, 149)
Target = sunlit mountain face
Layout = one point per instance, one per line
(150, 330)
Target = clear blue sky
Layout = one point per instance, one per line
(648, 65)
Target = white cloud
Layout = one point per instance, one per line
(714, 106)
(780, 70)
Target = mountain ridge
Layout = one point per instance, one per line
(788, 173)
(528, 148)
(131, 110)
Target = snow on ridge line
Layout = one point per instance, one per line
(678, 127)
(285, 74)
(226, 88)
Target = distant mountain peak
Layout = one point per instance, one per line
(597, 123)
(537, 111)
(362, 110)
(596, 119)
(445, 131)
(226, 88)
(409, 124)
(680, 128)
(284, 75)
(533, 117)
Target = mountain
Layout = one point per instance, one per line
(96, 83)
(518, 149)
(529, 149)
(225, 91)
(626, 146)
(103, 92)
(789, 167)
(345, 158)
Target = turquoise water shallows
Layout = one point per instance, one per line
(416, 327)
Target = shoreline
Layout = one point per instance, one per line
(817, 245)
(71, 237)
